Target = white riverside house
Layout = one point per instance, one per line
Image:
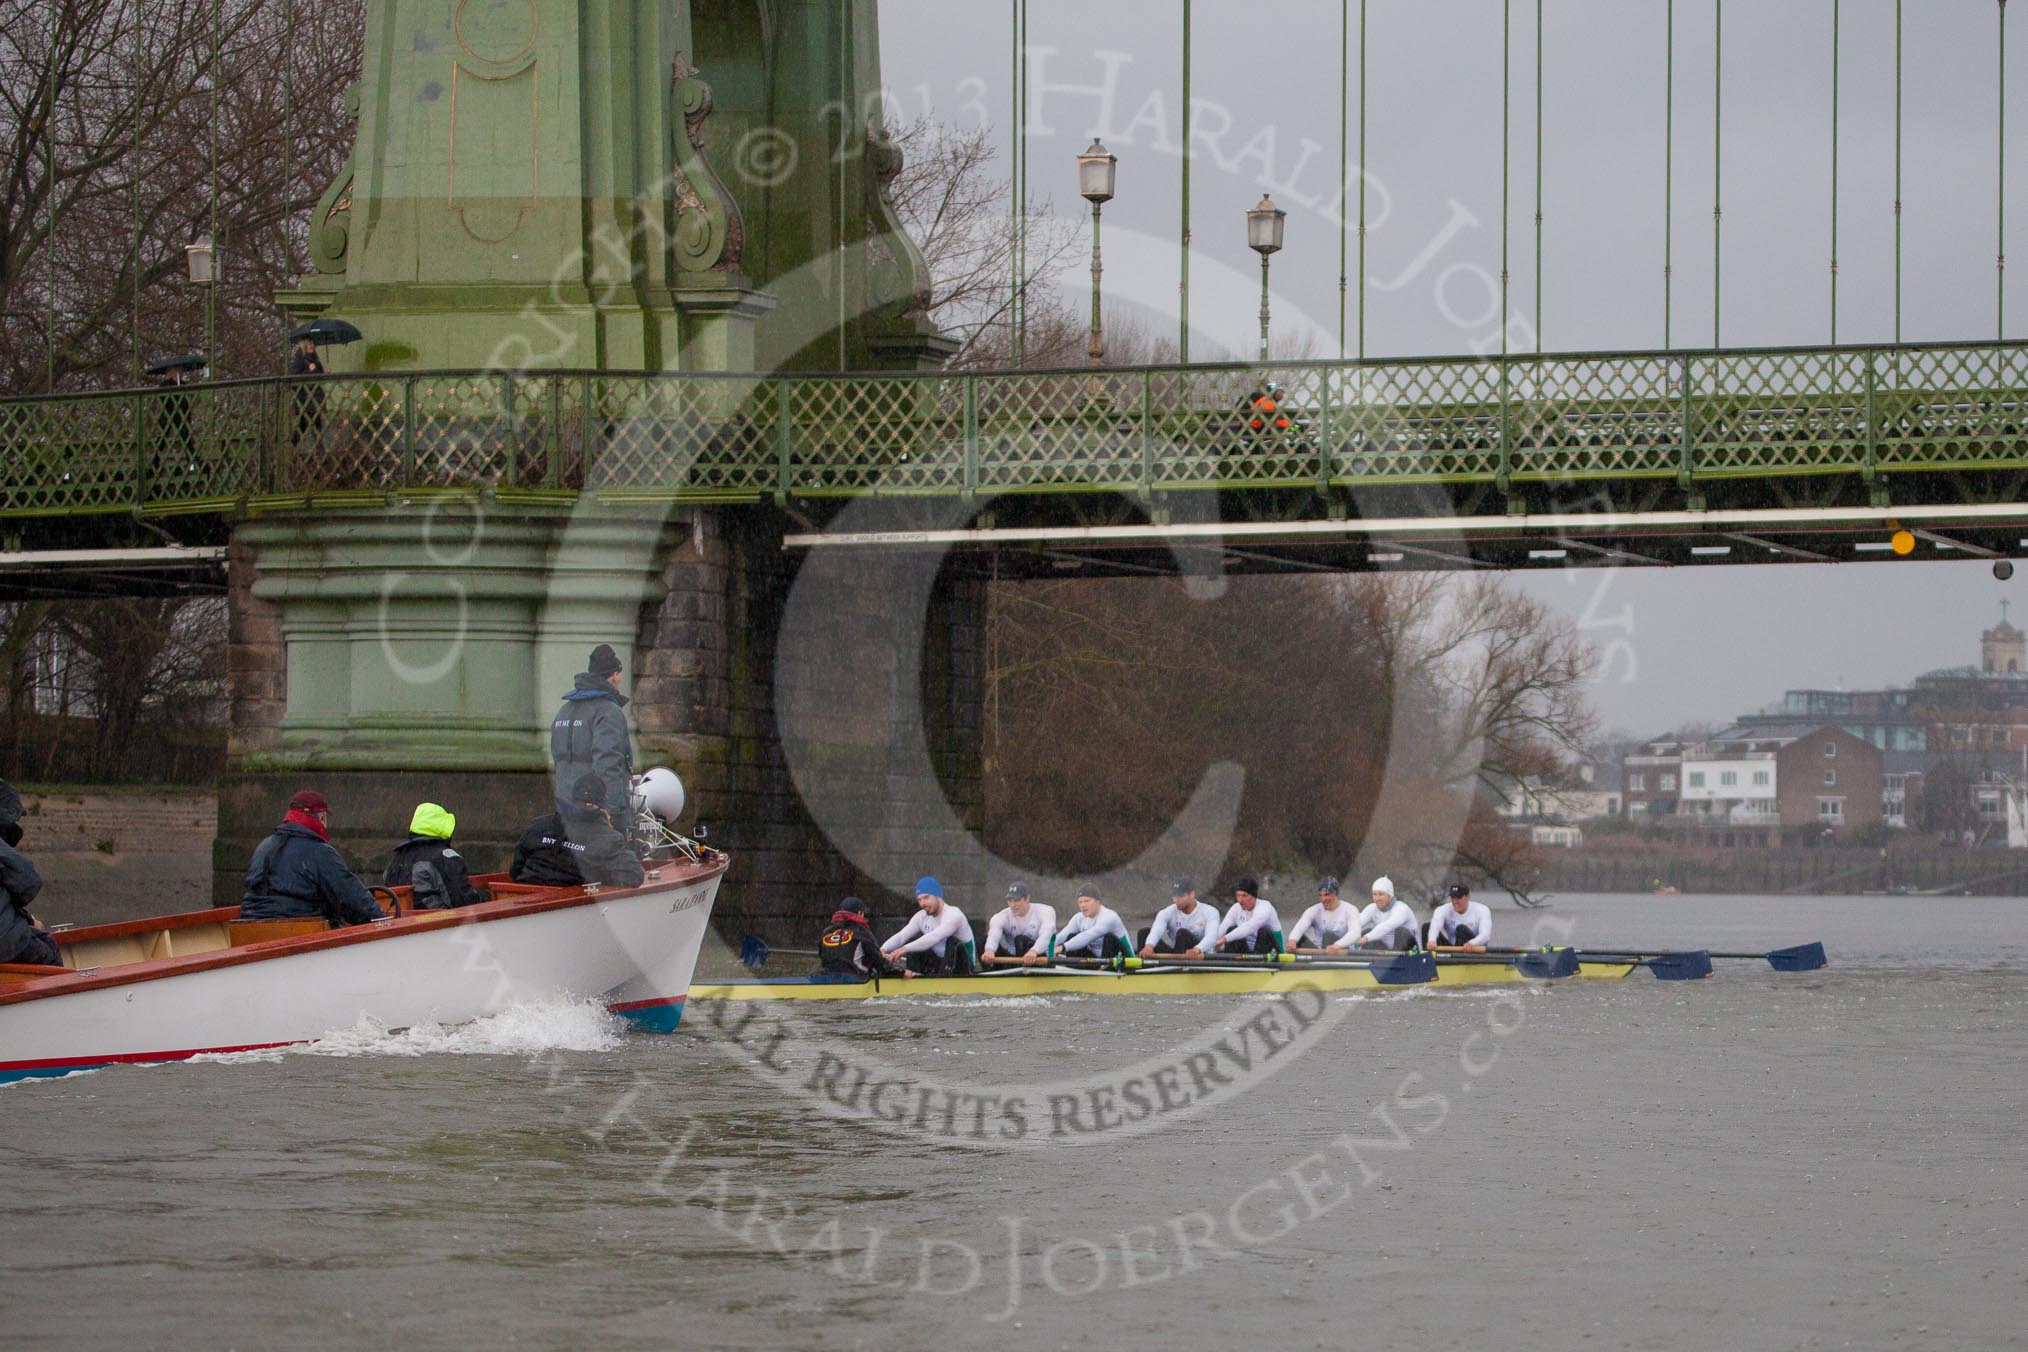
(1723, 782)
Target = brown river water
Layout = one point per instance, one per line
(1830, 1160)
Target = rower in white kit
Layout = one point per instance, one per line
(1185, 928)
(1096, 931)
(1387, 923)
(1019, 934)
(1326, 928)
(1460, 925)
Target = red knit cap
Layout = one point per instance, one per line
(309, 800)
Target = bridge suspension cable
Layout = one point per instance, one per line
(1834, 171)
(1183, 286)
(217, 245)
(134, 196)
(1506, 106)
(49, 170)
(1344, 154)
(1717, 163)
(1362, 180)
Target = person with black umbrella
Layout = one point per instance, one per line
(172, 373)
(304, 361)
(303, 358)
(21, 938)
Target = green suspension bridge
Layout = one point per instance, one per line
(1511, 460)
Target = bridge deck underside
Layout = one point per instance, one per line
(1494, 456)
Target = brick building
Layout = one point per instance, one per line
(1827, 782)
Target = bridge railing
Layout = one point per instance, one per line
(1687, 416)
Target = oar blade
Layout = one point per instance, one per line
(1405, 969)
(753, 953)
(1802, 958)
(1681, 966)
(1550, 965)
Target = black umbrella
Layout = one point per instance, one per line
(326, 331)
(193, 362)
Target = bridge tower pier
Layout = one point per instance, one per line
(392, 656)
(637, 185)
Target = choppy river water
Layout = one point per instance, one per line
(1756, 1161)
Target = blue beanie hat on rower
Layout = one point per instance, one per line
(930, 886)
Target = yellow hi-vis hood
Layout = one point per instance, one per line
(431, 820)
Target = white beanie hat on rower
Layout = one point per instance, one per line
(1384, 885)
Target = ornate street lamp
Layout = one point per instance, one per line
(199, 258)
(1265, 225)
(1097, 174)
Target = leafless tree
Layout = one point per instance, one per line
(956, 207)
(1106, 701)
(155, 663)
(126, 131)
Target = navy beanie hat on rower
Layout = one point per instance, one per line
(930, 886)
(854, 905)
(604, 661)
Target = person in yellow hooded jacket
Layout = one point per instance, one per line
(427, 863)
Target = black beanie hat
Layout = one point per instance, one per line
(604, 661)
(589, 789)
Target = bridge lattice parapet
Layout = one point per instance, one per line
(1927, 420)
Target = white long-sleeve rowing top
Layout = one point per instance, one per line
(1242, 924)
(1323, 926)
(1038, 924)
(1445, 921)
(1198, 930)
(1377, 923)
(931, 932)
(1087, 933)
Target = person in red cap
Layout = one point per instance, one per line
(296, 874)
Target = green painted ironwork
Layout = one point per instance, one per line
(673, 437)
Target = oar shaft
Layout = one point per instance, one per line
(1608, 953)
(1635, 953)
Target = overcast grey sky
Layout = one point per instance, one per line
(1704, 643)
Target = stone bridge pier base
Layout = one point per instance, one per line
(415, 653)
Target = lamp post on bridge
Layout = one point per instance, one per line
(1097, 175)
(201, 259)
(1265, 226)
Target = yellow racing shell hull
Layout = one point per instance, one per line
(1177, 979)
